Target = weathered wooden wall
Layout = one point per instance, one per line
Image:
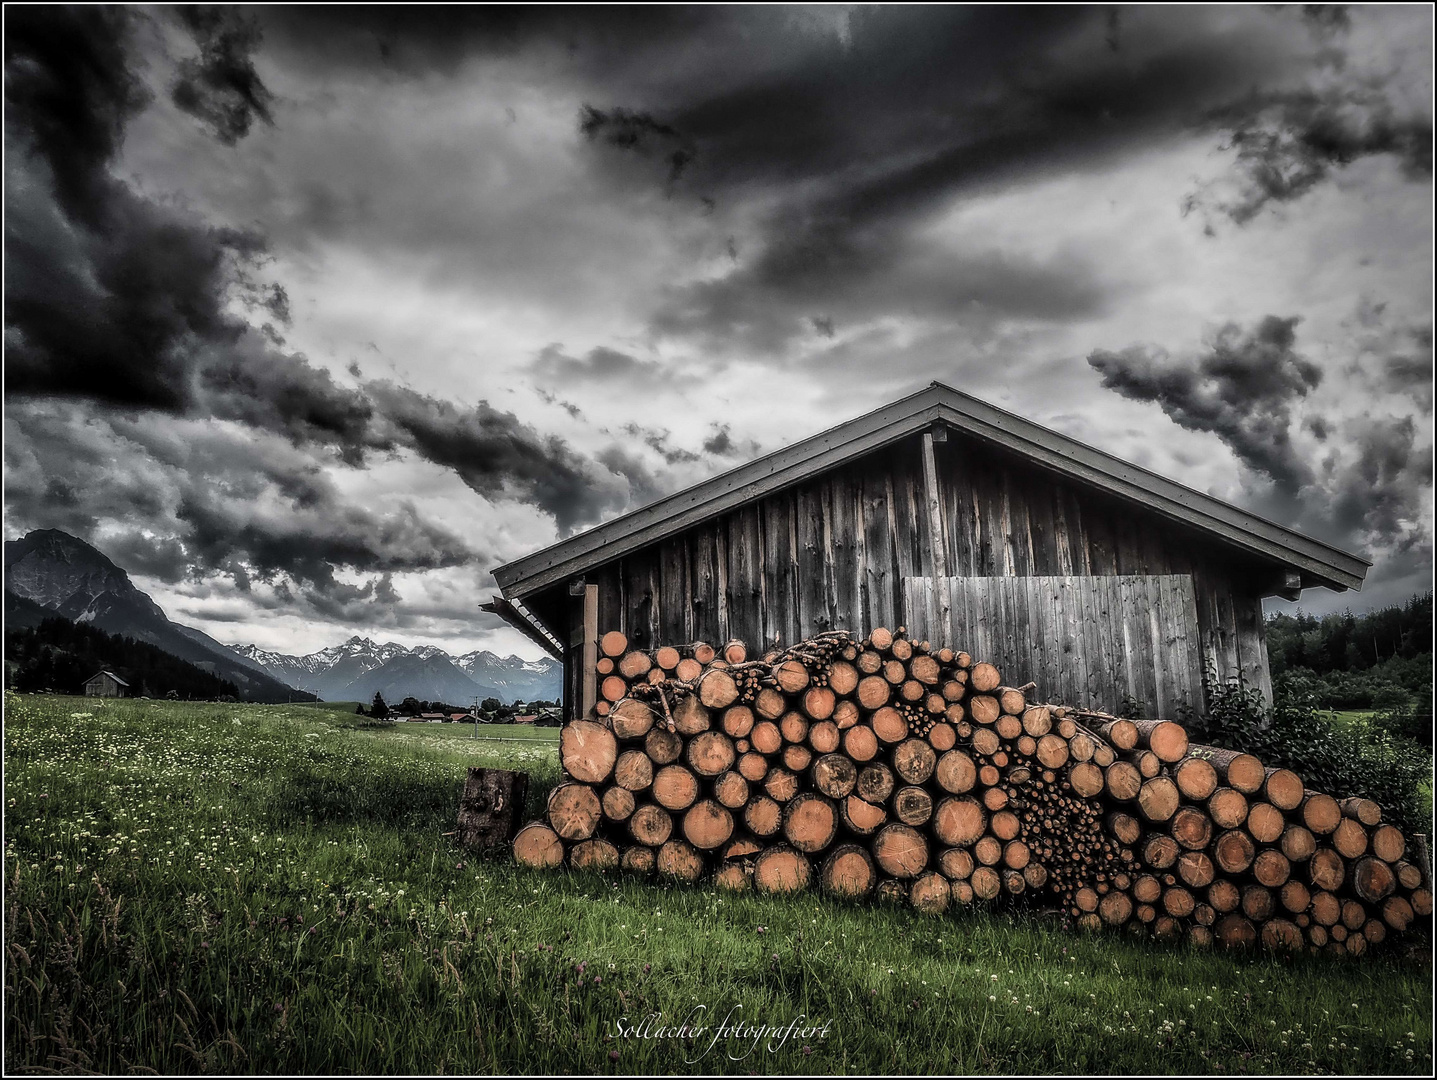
(834, 553)
(1089, 640)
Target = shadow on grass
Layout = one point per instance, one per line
(378, 797)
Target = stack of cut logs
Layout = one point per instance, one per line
(886, 768)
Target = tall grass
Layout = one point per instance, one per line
(267, 888)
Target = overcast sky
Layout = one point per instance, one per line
(313, 317)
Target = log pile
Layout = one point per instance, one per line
(887, 768)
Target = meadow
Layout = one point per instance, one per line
(239, 888)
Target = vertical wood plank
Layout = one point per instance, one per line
(830, 542)
(1062, 536)
(672, 604)
(940, 602)
(720, 539)
(702, 558)
(878, 582)
(811, 605)
(1192, 642)
(589, 685)
(858, 572)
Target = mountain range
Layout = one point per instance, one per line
(357, 669)
(50, 573)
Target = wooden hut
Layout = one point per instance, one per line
(971, 526)
(106, 684)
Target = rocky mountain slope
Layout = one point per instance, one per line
(49, 572)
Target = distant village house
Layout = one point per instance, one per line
(106, 684)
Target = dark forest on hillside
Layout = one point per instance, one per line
(1379, 660)
(60, 655)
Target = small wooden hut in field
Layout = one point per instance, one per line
(106, 684)
(1095, 578)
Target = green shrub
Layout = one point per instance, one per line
(1340, 759)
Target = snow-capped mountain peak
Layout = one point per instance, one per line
(345, 670)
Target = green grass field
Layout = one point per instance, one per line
(267, 888)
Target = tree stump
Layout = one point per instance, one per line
(491, 807)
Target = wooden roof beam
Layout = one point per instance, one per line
(517, 616)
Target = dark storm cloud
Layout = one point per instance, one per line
(184, 503)
(1287, 144)
(220, 87)
(69, 86)
(497, 456)
(307, 548)
(1368, 487)
(720, 442)
(1242, 389)
(123, 301)
(639, 133)
(1392, 354)
(644, 485)
(853, 128)
(1327, 18)
(105, 291)
(658, 441)
(1380, 490)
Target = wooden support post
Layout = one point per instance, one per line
(589, 694)
(940, 601)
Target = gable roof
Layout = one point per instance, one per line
(110, 674)
(1318, 563)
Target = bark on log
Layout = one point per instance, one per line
(1241, 772)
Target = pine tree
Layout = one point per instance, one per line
(378, 709)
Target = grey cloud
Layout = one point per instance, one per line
(643, 485)
(181, 505)
(599, 364)
(122, 300)
(639, 133)
(1286, 144)
(658, 442)
(1242, 389)
(220, 87)
(720, 442)
(1379, 491)
(1370, 486)
(497, 456)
